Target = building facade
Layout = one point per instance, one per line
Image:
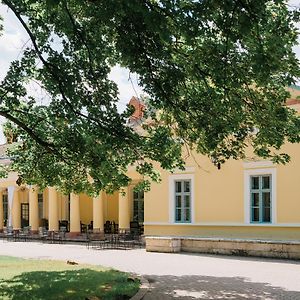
(22, 206)
(246, 200)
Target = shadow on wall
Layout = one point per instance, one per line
(74, 284)
(207, 287)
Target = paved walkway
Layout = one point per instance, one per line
(182, 276)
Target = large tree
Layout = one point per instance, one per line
(215, 70)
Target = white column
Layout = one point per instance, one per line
(33, 209)
(98, 218)
(53, 209)
(10, 196)
(124, 211)
(1, 210)
(74, 214)
(16, 210)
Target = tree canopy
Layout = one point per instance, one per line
(216, 71)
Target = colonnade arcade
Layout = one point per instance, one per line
(19, 205)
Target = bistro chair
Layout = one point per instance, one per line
(25, 233)
(107, 227)
(43, 233)
(135, 227)
(9, 233)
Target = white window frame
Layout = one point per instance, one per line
(172, 180)
(247, 194)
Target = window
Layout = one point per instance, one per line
(40, 202)
(138, 206)
(183, 201)
(5, 208)
(260, 198)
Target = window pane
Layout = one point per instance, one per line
(135, 205)
(266, 199)
(255, 214)
(178, 215)
(255, 182)
(40, 197)
(186, 215)
(178, 201)
(141, 195)
(141, 217)
(135, 195)
(41, 210)
(266, 182)
(187, 186)
(267, 214)
(178, 186)
(187, 201)
(255, 199)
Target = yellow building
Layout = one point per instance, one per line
(249, 207)
(22, 206)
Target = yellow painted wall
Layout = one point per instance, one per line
(250, 232)
(45, 206)
(111, 207)
(219, 200)
(156, 201)
(288, 187)
(23, 195)
(218, 194)
(86, 209)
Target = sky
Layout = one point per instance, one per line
(13, 41)
(14, 38)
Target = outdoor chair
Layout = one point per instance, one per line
(96, 239)
(64, 224)
(45, 223)
(137, 241)
(9, 233)
(54, 237)
(83, 227)
(107, 227)
(58, 236)
(25, 234)
(43, 233)
(114, 228)
(135, 227)
(126, 240)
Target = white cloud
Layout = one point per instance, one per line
(127, 83)
(11, 41)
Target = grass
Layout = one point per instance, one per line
(26, 279)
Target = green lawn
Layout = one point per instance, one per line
(27, 279)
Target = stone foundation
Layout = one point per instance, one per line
(240, 247)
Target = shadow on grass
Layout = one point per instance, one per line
(69, 284)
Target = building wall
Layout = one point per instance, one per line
(220, 206)
(111, 207)
(86, 209)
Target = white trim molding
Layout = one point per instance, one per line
(258, 164)
(172, 179)
(247, 201)
(187, 169)
(208, 224)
